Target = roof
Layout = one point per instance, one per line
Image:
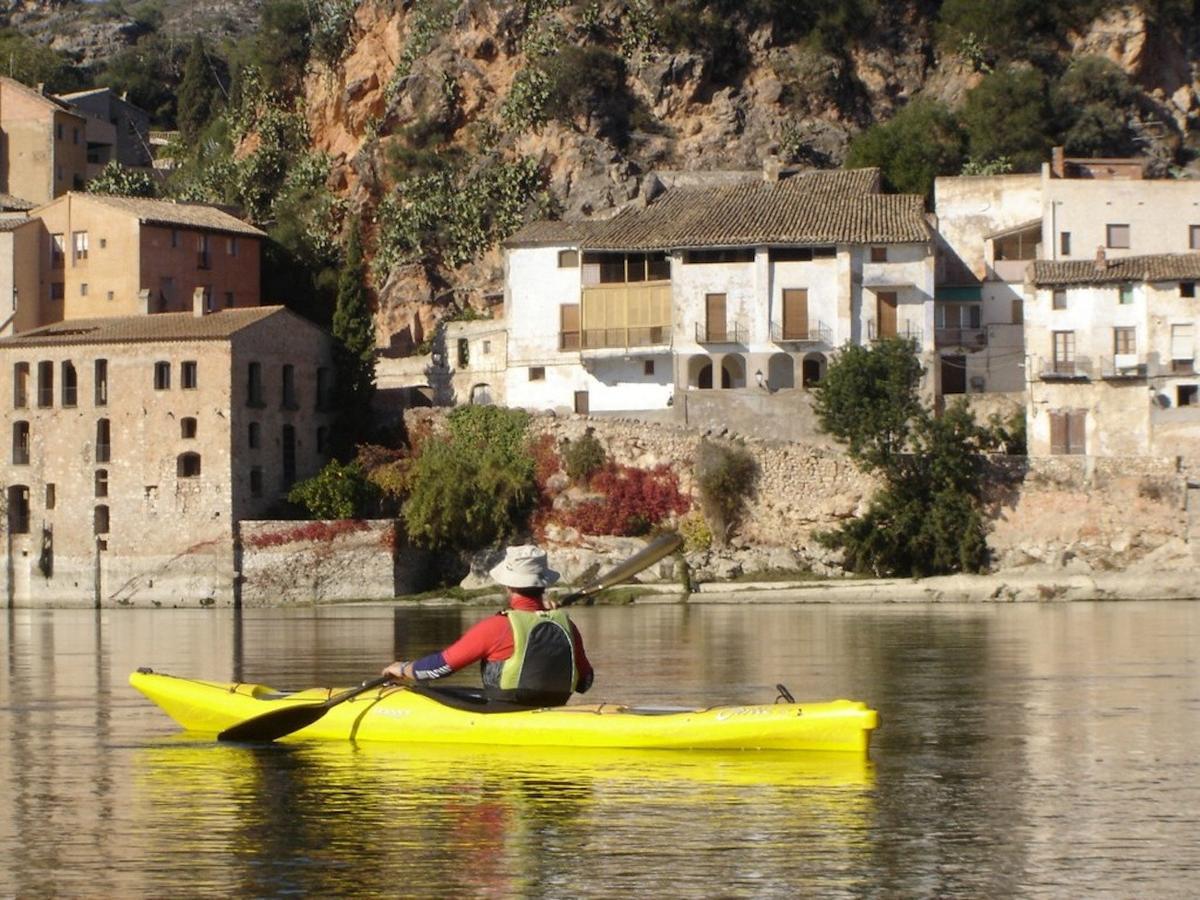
(1014, 229)
(1157, 267)
(155, 327)
(169, 212)
(12, 223)
(45, 99)
(818, 207)
(11, 202)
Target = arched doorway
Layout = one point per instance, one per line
(813, 369)
(733, 371)
(700, 372)
(781, 371)
(481, 395)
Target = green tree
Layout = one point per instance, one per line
(926, 518)
(280, 49)
(196, 98)
(337, 492)
(120, 181)
(1094, 103)
(1006, 116)
(922, 141)
(32, 63)
(354, 334)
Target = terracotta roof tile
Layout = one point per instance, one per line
(13, 202)
(1157, 267)
(168, 212)
(183, 326)
(809, 208)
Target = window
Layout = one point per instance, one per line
(568, 327)
(879, 254)
(74, 135)
(101, 376)
(253, 436)
(57, 290)
(103, 243)
(20, 443)
(1126, 295)
(58, 250)
(1187, 289)
(1186, 395)
(464, 353)
(79, 240)
(648, 367)
(289, 455)
(51, 496)
(1117, 237)
(487, 348)
(45, 384)
(1194, 237)
(21, 385)
(1183, 349)
(324, 388)
(162, 376)
(174, 237)
(100, 519)
(568, 259)
(1064, 243)
(323, 439)
(58, 131)
(109, 296)
(70, 384)
(103, 439)
(705, 257)
(188, 375)
(101, 483)
(790, 254)
(203, 260)
(289, 387)
(229, 299)
(1068, 432)
(1060, 299)
(1064, 352)
(187, 465)
(254, 388)
(83, 289)
(1124, 340)
(187, 428)
(231, 246)
(537, 373)
(256, 481)
(18, 509)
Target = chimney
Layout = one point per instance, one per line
(41, 88)
(1058, 162)
(771, 168)
(199, 302)
(143, 306)
(1101, 260)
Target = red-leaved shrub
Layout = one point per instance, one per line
(635, 500)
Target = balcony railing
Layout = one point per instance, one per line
(625, 338)
(815, 333)
(713, 333)
(1122, 367)
(1078, 368)
(961, 337)
(904, 330)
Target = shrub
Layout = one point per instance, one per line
(696, 534)
(336, 492)
(922, 141)
(119, 181)
(726, 476)
(1094, 103)
(635, 500)
(583, 457)
(1006, 116)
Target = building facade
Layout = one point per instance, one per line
(752, 284)
(116, 129)
(43, 144)
(99, 255)
(138, 442)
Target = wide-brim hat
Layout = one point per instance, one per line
(524, 566)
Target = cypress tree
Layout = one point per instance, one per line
(354, 347)
(195, 99)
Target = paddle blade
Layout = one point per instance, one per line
(275, 724)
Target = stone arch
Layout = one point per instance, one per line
(700, 372)
(733, 371)
(813, 369)
(481, 395)
(781, 371)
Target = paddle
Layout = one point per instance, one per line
(277, 723)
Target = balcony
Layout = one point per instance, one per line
(905, 331)
(1078, 368)
(1122, 367)
(816, 333)
(626, 338)
(970, 338)
(719, 333)
(621, 317)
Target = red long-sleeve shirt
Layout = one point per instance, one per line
(492, 640)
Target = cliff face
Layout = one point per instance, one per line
(688, 111)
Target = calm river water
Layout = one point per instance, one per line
(1024, 751)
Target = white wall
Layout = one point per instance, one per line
(970, 207)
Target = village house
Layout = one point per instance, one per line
(43, 144)
(99, 255)
(990, 228)
(743, 287)
(138, 442)
(1112, 355)
(116, 129)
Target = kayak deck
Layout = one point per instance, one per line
(398, 714)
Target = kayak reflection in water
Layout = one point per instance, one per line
(531, 654)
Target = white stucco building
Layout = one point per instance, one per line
(745, 285)
(1112, 356)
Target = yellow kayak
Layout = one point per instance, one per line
(400, 714)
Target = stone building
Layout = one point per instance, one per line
(116, 129)
(735, 286)
(43, 144)
(99, 255)
(138, 443)
(1112, 350)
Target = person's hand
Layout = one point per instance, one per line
(549, 602)
(400, 670)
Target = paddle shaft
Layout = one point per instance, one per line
(662, 546)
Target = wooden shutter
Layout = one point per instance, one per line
(1058, 432)
(1076, 432)
(714, 313)
(887, 314)
(568, 326)
(795, 314)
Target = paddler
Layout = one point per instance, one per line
(530, 654)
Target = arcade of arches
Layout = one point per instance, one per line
(731, 370)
